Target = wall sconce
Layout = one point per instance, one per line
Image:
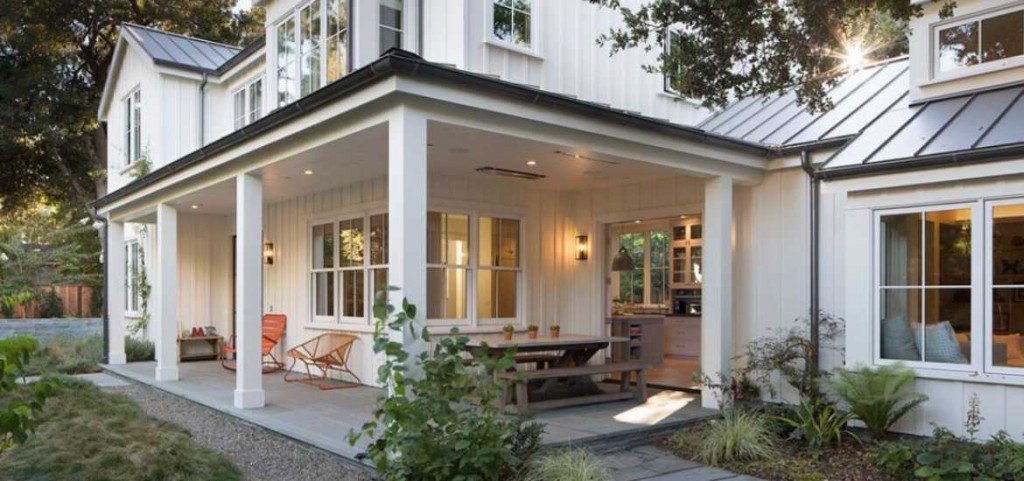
(268, 253)
(582, 248)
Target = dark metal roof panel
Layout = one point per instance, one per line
(874, 107)
(804, 118)
(777, 103)
(736, 107)
(918, 131)
(181, 51)
(759, 103)
(976, 119)
(876, 133)
(1009, 129)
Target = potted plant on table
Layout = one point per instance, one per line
(555, 330)
(531, 331)
(507, 331)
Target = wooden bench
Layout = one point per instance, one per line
(521, 380)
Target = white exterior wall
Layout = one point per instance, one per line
(179, 113)
(923, 84)
(137, 71)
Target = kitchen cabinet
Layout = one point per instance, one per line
(687, 250)
(682, 337)
(645, 333)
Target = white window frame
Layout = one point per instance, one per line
(666, 83)
(246, 91)
(533, 49)
(976, 362)
(475, 262)
(646, 230)
(469, 268)
(339, 320)
(295, 67)
(982, 67)
(381, 26)
(132, 103)
(990, 286)
(133, 264)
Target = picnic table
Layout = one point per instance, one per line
(567, 379)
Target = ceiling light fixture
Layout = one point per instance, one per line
(308, 172)
(195, 206)
(531, 163)
(584, 157)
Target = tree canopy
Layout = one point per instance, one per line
(725, 49)
(54, 58)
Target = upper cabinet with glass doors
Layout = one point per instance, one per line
(687, 247)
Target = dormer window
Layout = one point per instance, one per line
(980, 43)
(312, 48)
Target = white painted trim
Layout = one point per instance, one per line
(536, 18)
(937, 77)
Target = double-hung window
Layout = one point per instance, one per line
(993, 38)
(390, 24)
(348, 266)
(498, 268)
(512, 22)
(448, 259)
(248, 103)
(132, 131)
(133, 276)
(312, 48)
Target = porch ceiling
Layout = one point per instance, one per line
(453, 151)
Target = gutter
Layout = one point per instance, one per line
(959, 158)
(815, 304)
(202, 110)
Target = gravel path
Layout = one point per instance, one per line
(259, 453)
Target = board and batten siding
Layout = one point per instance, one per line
(137, 71)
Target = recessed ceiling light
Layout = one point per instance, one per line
(682, 217)
(531, 163)
(195, 206)
(636, 221)
(308, 172)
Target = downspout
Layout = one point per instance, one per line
(106, 260)
(202, 111)
(815, 309)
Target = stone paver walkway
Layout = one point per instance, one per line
(651, 463)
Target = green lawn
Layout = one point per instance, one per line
(88, 434)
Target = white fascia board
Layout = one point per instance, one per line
(960, 174)
(112, 71)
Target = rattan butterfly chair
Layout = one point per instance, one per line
(321, 355)
(274, 326)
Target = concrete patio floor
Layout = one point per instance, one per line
(324, 418)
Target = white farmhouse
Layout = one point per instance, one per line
(487, 157)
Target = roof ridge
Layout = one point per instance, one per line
(186, 37)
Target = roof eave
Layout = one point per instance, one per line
(962, 157)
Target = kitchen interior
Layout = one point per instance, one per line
(654, 293)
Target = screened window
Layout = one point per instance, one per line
(512, 22)
(498, 273)
(987, 39)
(132, 131)
(390, 25)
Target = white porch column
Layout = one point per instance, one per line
(166, 293)
(716, 295)
(407, 213)
(115, 266)
(249, 292)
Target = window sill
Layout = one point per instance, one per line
(974, 71)
(662, 93)
(974, 377)
(529, 52)
(347, 327)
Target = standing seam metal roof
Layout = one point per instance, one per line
(181, 51)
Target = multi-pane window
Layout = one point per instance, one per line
(346, 270)
(132, 131)
(133, 276)
(390, 25)
(512, 22)
(631, 283)
(659, 267)
(498, 268)
(248, 103)
(1005, 290)
(312, 48)
(649, 281)
(670, 79)
(448, 257)
(981, 40)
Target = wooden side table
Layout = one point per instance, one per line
(216, 342)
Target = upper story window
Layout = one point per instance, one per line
(248, 103)
(672, 37)
(980, 40)
(312, 48)
(132, 131)
(390, 24)
(512, 22)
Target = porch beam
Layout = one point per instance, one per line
(407, 216)
(114, 264)
(166, 293)
(716, 295)
(248, 292)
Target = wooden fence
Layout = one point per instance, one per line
(76, 298)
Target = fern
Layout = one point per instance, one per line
(877, 397)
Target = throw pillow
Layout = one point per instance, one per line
(897, 341)
(940, 344)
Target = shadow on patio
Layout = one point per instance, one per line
(323, 418)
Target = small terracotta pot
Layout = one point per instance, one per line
(555, 332)
(507, 335)
(531, 334)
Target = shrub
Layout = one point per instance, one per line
(443, 423)
(567, 465)
(50, 305)
(877, 396)
(19, 403)
(896, 458)
(138, 350)
(68, 356)
(738, 436)
(818, 425)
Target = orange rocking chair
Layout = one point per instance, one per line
(326, 352)
(273, 330)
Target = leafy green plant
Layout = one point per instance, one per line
(440, 419)
(50, 305)
(818, 425)
(21, 403)
(738, 436)
(567, 465)
(11, 300)
(896, 458)
(138, 350)
(877, 396)
(945, 457)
